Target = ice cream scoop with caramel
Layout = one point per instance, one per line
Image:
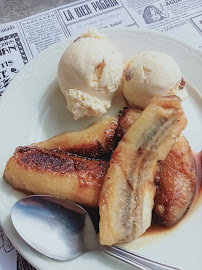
(151, 74)
(89, 75)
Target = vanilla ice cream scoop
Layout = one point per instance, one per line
(150, 74)
(89, 75)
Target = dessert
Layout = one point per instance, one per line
(133, 160)
(89, 75)
(127, 195)
(150, 74)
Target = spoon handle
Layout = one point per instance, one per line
(136, 260)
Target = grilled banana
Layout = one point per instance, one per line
(96, 141)
(176, 182)
(43, 171)
(127, 195)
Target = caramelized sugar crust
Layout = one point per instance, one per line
(55, 161)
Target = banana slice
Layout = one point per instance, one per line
(95, 141)
(127, 195)
(51, 172)
(176, 180)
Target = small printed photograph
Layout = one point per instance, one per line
(197, 22)
(152, 14)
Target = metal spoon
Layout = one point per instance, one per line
(63, 230)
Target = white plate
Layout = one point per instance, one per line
(32, 109)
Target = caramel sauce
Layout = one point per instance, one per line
(156, 228)
(198, 192)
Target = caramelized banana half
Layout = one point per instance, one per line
(127, 195)
(96, 141)
(71, 165)
(176, 182)
(43, 171)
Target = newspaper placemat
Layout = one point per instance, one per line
(23, 39)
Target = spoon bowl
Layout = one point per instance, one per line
(63, 230)
(57, 228)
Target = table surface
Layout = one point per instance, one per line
(12, 10)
